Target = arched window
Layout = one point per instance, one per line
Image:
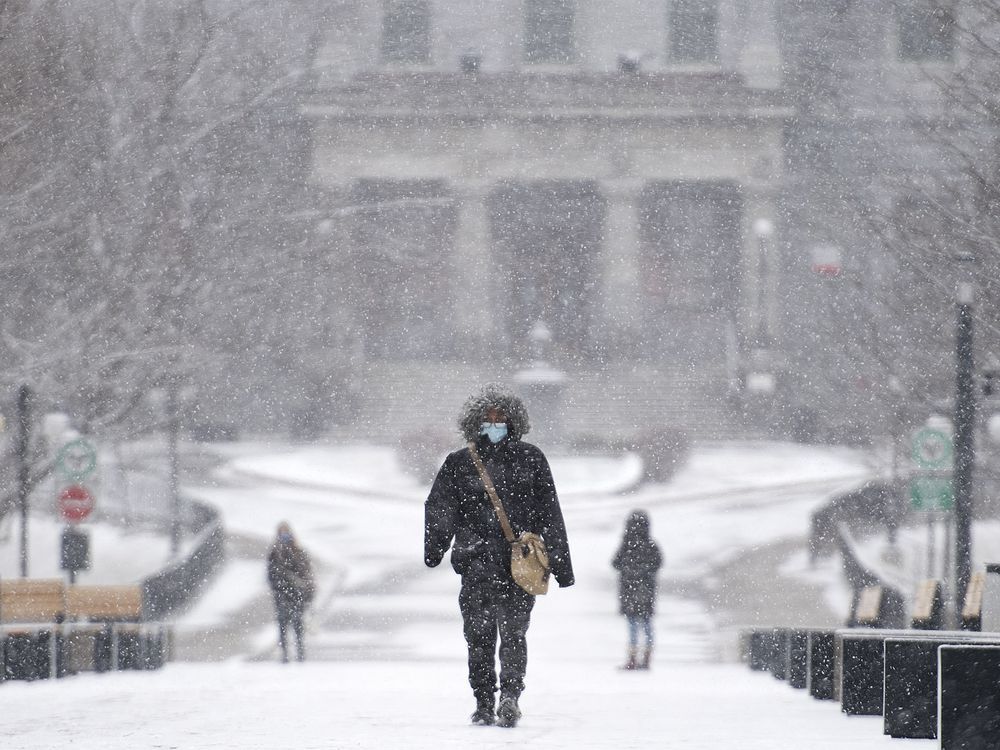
(402, 232)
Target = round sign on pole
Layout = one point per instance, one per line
(75, 503)
(932, 449)
(77, 459)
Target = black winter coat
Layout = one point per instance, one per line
(290, 575)
(458, 509)
(637, 561)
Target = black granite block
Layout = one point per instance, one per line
(969, 697)
(911, 688)
(820, 664)
(761, 645)
(861, 675)
(798, 648)
(779, 654)
(27, 656)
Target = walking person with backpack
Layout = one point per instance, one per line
(494, 503)
(637, 561)
(289, 573)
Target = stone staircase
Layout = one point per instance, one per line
(618, 401)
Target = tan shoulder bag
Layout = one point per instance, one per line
(529, 562)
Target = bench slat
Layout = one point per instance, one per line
(50, 600)
(31, 599)
(122, 602)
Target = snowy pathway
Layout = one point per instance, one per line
(572, 704)
(387, 660)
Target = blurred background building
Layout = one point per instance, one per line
(718, 217)
(690, 194)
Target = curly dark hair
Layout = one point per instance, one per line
(497, 397)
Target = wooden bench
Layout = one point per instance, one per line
(869, 609)
(928, 609)
(972, 606)
(32, 600)
(50, 629)
(51, 600)
(104, 603)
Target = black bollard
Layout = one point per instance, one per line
(911, 688)
(761, 645)
(798, 657)
(820, 664)
(779, 653)
(861, 668)
(969, 702)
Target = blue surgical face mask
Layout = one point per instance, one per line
(495, 431)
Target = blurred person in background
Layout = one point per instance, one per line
(637, 561)
(289, 573)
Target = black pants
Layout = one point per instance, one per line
(489, 608)
(291, 619)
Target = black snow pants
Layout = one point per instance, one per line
(491, 607)
(290, 617)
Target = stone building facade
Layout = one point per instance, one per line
(635, 175)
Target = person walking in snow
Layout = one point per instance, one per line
(290, 576)
(637, 561)
(459, 514)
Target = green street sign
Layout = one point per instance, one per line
(932, 493)
(931, 449)
(77, 459)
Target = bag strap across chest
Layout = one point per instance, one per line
(508, 532)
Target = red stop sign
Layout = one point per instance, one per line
(75, 503)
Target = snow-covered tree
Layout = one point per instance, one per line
(151, 177)
(893, 162)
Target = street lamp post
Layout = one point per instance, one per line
(964, 454)
(173, 469)
(760, 384)
(22, 456)
(764, 230)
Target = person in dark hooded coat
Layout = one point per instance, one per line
(289, 573)
(459, 514)
(637, 561)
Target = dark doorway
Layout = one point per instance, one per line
(403, 232)
(546, 237)
(691, 242)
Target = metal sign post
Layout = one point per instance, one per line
(965, 448)
(76, 461)
(932, 490)
(21, 450)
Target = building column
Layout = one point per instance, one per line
(760, 59)
(473, 263)
(618, 310)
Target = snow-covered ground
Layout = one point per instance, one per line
(387, 664)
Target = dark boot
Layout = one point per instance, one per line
(508, 712)
(647, 655)
(484, 715)
(630, 660)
